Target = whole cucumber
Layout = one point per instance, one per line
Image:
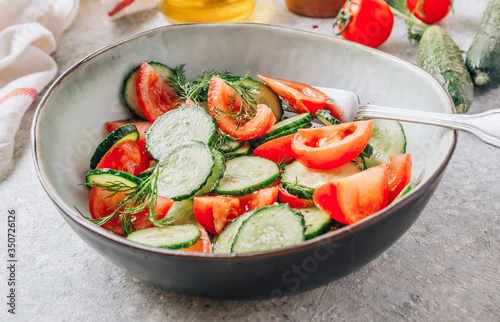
(439, 55)
(483, 57)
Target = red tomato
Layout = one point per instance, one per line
(293, 201)
(154, 95)
(214, 212)
(302, 97)
(142, 128)
(259, 199)
(221, 96)
(399, 174)
(189, 102)
(163, 205)
(276, 150)
(336, 111)
(331, 146)
(370, 23)
(125, 156)
(203, 245)
(429, 11)
(355, 197)
(101, 205)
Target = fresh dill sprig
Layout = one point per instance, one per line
(137, 199)
(222, 141)
(242, 107)
(283, 162)
(196, 90)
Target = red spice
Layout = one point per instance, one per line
(315, 26)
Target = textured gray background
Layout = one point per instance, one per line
(446, 267)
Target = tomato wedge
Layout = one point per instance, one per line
(203, 245)
(125, 156)
(302, 97)
(102, 202)
(154, 95)
(331, 146)
(259, 199)
(214, 212)
(293, 201)
(142, 128)
(189, 102)
(222, 99)
(399, 174)
(163, 205)
(353, 198)
(277, 150)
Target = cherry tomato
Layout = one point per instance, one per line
(293, 201)
(302, 97)
(221, 97)
(370, 22)
(102, 202)
(203, 245)
(154, 95)
(214, 212)
(399, 174)
(276, 150)
(355, 197)
(429, 11)
(142, 128)
(125, 156)
(331, 146)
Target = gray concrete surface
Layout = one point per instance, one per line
(446, 267)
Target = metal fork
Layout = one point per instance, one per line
(485, 126)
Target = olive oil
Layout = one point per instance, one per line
(182, 11)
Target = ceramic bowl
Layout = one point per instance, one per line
(69, 123)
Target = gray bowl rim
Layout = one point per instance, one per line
(417, 192)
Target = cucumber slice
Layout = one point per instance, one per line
(149, 171)
(106, 176)
(388, 138)
(177, 127)
(261, 139)
(173, 237)
(302, 181)
(229, 144)
(244, 150)
(181, 213)
(225, 240)
(316, 221)
(326, 118)
(367, 151)
(289, 123)
(129, 86)
(360, 162)
(269, 228)
(217, 173)
(186, 170)
(123, 133)
(266, 96)
(404, 191)
(247, 174)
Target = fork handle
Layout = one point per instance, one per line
(485, 126)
